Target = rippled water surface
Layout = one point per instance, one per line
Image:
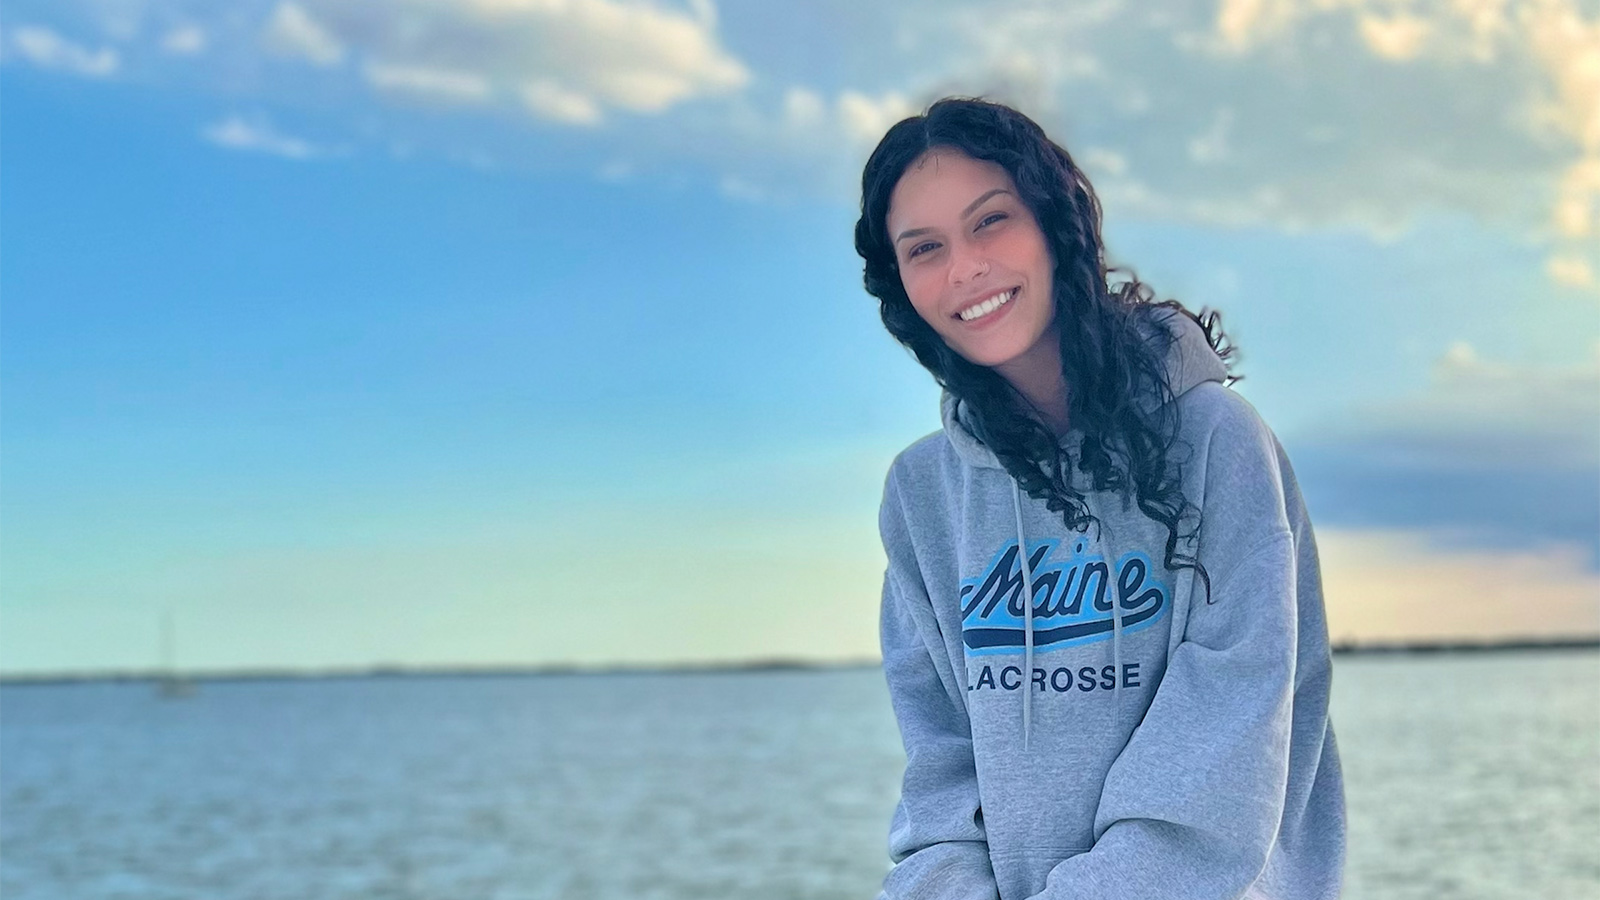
(1472, 775)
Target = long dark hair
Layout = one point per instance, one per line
(1107, 363)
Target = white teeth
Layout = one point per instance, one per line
(986, 307)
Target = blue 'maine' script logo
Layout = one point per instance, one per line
(1072, 598)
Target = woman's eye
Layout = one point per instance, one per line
(920, 249)
(991, 218)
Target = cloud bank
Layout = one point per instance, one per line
(1290, 114)
(1491, 456)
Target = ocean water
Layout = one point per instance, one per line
(1468, 775)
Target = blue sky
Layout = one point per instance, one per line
(490, 332)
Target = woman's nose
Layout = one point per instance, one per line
(968, 266)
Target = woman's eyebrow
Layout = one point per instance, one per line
(979, 202)
(913, 232)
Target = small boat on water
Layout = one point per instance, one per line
(169, 684)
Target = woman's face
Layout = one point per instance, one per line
(973, 259)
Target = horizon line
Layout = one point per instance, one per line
(770, 664)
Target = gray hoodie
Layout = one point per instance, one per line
(1127, 740)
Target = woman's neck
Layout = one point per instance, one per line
(1036, 375)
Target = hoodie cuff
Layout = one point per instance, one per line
(952, 870)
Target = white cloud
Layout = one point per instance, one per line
(549, 100)
(865, 118)
(184, 40)
(255, 134)
(1241, 23)
(1546, 53)
(1567, 46)
(1577, 212)
(1101, 161)
(1572, 271)
(803, 108)
(570, 61)
(293, 32)
(1212, 146)
(810, 122)
(48, 50)
(1398, 37)
(567, 62)
(441, 85)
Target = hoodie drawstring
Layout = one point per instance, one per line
(1027, 619)
(1116, 654)
(1027, 630)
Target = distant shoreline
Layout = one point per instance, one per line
(1340, 648)
(1591, 642)
(396, 671)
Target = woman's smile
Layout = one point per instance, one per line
(984, 311)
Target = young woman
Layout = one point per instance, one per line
(1149, 719)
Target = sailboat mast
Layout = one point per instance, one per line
(168, 650)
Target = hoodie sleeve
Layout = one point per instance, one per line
(1192, 805)
(936, 837)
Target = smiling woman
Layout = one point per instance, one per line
(1173, 739)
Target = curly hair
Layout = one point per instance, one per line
(1105, 360)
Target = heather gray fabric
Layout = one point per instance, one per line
(1164, 747)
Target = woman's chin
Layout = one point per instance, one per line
(990, 357)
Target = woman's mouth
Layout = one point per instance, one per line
(987, 307)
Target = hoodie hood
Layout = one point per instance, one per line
(1190, 361)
